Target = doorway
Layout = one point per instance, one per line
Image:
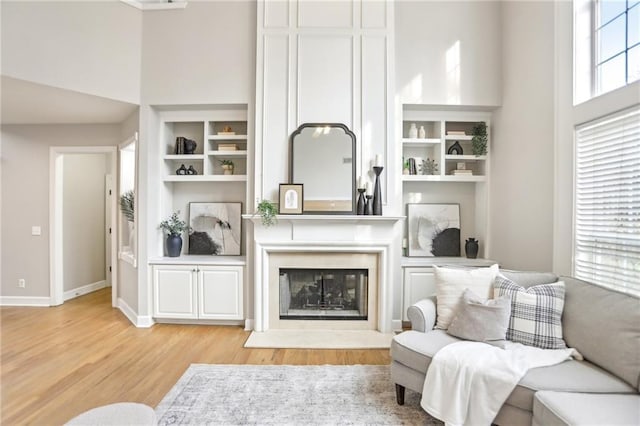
(83, 205)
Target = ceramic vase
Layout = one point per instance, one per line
(413, 131)
(471, 248)
(174, 245)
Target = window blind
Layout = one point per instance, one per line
(607, 201)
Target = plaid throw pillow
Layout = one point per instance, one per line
(536, 313)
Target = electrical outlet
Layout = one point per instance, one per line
(22, 283)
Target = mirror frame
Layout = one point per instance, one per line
(349, 133)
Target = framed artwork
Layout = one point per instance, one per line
(291, 198)
(216, 228)
(434, 229)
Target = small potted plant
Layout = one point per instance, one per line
(479, 140)
(227, 166)
(268, 212)
(174, 227)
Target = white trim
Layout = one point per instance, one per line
(137, 320)
(82, 290)
(56, 295)
(24, 301)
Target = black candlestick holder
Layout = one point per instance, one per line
(362, 202)
(368, 209)
(377, 192)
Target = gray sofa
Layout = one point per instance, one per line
(603, 325)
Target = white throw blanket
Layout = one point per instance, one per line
(467, 382)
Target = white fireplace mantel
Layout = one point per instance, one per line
(328, 233)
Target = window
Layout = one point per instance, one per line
(606, 46)
(607, 201)
(617, 44)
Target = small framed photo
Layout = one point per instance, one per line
(291, 198)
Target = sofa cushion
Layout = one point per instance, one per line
(452, 282)
(479, 319)
(612, 318)
(527, 279)
(569, 376)
(564, 408)
(415, 349)
(536, 313)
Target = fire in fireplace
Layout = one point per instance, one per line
(323, 294)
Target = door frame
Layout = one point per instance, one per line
(56, 154)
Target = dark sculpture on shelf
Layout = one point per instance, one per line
(455, 149)
(185, 146)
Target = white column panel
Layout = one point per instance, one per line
(276, 13)
(325, 79)
(275, 132)
(374, 106)
(374, 14)
(325, 14)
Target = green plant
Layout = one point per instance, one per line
(268, 212)
(226, 162)
(127, 205)
(479, 140)
(174, 225)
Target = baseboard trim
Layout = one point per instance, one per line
(248, 324)
(396, 325)
(82, 290)
(137, 320)
(25, 301)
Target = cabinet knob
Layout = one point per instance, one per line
(194, 270)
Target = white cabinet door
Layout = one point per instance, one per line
(419, 283)
(220, 291)
(175, 291)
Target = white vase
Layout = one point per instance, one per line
(413, 131)
(421, 133)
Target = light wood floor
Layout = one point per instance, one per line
(58, 362)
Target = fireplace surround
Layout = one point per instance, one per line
(337, 242)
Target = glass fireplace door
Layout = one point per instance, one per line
(323, 294)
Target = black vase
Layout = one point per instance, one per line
(471, 248)
(174, 245)
(189, 146)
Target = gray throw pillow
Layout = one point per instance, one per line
(481, 320)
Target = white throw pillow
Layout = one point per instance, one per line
(451, 284)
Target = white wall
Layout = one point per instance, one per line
(83, 210)
(25, 198)
(521, 195)
(448, 52)
(202, 54)
(88, 47)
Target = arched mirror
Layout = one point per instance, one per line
(322, 159)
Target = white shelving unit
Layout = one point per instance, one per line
(470, 192)
(199, 287)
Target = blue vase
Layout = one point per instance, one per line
(174, 245)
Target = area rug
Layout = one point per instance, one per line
(319, 339)
(288, 395)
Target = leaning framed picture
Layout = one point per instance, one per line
(291, 198)
(215, 228)
(434, 229)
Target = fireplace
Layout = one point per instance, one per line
(328, 290)
(323, 294)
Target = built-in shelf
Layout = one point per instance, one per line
(199, 260)
(465, 157)
(227, 137)
(439, 178)
(430, 261)
(184, 157)
(458, 137)
(227, 153)
(205, 178)
(419, 141)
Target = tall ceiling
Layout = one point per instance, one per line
(24, 102)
